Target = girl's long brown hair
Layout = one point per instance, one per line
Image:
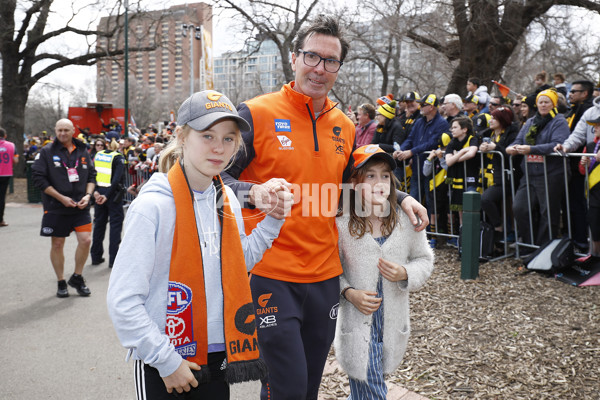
(358, 225)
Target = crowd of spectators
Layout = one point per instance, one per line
(141, 147)
(436, 141)
(418, 131)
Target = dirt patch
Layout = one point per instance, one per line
(506, 335)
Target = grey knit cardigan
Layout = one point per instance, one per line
(359, 259)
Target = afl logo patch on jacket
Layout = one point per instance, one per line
(311, 152)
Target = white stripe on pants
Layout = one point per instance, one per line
(140, 380)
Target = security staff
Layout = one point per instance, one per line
(63, 171)
(110, 166)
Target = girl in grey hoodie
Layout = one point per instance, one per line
(146, 304)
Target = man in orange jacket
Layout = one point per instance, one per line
(299, 134)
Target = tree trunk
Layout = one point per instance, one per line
(14, 99)
(483, 55)
(288, 73)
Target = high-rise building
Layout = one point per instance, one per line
(249, 72)
(175, 30)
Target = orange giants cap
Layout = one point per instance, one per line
(365, 153)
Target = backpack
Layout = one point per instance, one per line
(486, 241)
(552, 256)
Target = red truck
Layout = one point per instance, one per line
(90, 116)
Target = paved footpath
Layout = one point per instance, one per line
(65, 348)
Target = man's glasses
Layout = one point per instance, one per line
(312, 60)
(494, 104)
(576, 90)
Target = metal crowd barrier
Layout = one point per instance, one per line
(135, 177)
(508, 250)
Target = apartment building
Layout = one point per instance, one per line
(166, 68)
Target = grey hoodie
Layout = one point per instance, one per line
(482, 93)
(138, 286)
(583, 132)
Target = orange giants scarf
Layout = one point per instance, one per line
(186, 310)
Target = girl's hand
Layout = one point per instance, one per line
(391, 271)
(182, 379)
(364, 301)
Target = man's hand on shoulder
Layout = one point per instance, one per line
(414, 209)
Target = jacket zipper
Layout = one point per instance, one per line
(314, 124)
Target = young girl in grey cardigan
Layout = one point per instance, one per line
(383, 260)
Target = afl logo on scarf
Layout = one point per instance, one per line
(180, 297)
(179, 319)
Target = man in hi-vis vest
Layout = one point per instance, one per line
(110, 168)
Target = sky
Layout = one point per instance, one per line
(82, 76)
(79, 76)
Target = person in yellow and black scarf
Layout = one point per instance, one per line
(502, 132)
(412, 112)
(537, 138)
(580, 98)
(389, 130)
(592, 164)
(463, 166)
(436, 168)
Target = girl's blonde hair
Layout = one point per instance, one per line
(359, 225)
(174, 150)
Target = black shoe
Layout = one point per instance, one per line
(62, 289)
(78, 283)
(98, 262)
